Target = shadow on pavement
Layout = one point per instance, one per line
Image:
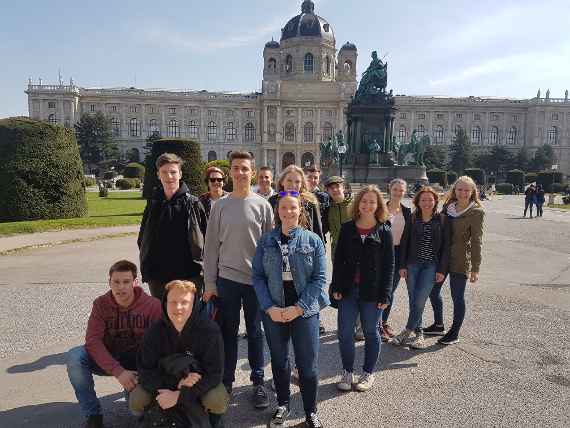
(39, 364)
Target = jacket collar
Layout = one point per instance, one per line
(293, 233)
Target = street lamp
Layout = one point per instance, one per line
(341, 149)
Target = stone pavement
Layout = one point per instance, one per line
(512, 367)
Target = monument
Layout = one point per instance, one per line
(371, 153)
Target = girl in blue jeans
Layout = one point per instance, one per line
(424, 258)
(362, 280)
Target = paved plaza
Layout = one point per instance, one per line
(512, 367)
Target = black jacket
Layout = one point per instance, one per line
(313, 215)
(201, 338)
(207, 202)
(194, 230)
(441, 241)
(324, 203)
(374, 257)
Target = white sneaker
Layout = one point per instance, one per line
(402, 339)
(417, 342)
(365, 382)
(346, 381)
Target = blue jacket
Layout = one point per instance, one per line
(308, 264)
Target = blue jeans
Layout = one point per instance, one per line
(348, 309)
(457, 284)
(395, 282)
(231, 295)
(421, 277)
(437, 303)
(304, 333)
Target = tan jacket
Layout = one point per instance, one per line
(467, 241)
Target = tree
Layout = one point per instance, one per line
(95, 139)
(435, 157)
(461, 153)
(544, 158)
(522, 159)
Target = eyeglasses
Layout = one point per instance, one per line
(216, 180)
(293, 193)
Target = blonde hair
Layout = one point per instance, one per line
(178, 284)
(306, 195)
(303, 220)
(381, 213)
(451, 197)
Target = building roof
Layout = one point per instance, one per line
(307, 24)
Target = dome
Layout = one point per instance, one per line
(307, 24)
(272, 44)
(348, 47)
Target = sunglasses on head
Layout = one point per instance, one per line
(293, 193)
(216, 180)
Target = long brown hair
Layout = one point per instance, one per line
(381, 213)
(306, 195)
(418, 195)
(303, 220)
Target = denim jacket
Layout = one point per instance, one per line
(308, 264)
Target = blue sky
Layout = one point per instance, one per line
(436, 47)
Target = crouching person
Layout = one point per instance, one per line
(181, 364)
(115, 332)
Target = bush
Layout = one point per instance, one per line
(515, 177)
(437, 176)
(451, 177)
(557, 188)
(530, 177)
(477, 174)
(547, 178)
(41, 174)
(566, 200)
(134, 170)
(90, 182)
(124, 184)
(109, 175)
(192, 173)
(103, 192)
(505, 188)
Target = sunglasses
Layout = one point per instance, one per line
(216, 180)
(293, 193)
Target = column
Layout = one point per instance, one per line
(299, 136)
(318, 127)
(42, 109)
(60, 112)
(163, 122)
(485, 132)
(279, 131)
(124, 127)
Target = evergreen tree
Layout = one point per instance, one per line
(435, 157)
(544, 158)
(95, 139)
(461, 152)
(522, 159)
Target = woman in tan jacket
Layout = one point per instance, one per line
(466, 215)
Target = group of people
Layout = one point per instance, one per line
(534, 196)
(205, 258)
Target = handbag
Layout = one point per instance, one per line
(156, 417)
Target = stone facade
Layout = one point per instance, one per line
(306, 88)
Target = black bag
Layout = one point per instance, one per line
(155, 417)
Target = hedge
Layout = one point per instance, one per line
(505, 188)
(128, 183)
(437, 176)
(451, 177)
(109, 175)
(547, 178)
(515, 177)
(41, 173)
(189, 151)
(557, 188)
(134, 170)
(477, 174)
(530, 177)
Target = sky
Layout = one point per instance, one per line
(498, 48)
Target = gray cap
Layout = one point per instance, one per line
(335, 179)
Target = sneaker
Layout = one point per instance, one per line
(365, 382)
(94, 421)
(383, 335)
(321, 329)
(388, 330)
(417, 342)
(449, 339)
(358, 334)
(279, 417)
(402, 339)
(435, 330)
(346, 381)
(312, 421)
(260, 398)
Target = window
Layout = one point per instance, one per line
(308, 131)
(327, 132)
(212, 156)
(153, 128)
(134, 130)
(271, 132)
(515, 118)
(114, 109)
(290, 112)
(457, 129)
(249, 132)
(193, 129)
(440, 116)
(51, 104)
(92, 107)
(402, 135)
(512, 136)
(552, 136)
(173, 129)
(439, 134)
(476, 135)
(308, 113)
(493, 135)
(403, 115)
(212, 130)
(211, 113)
(459, 116)
(347, 66)
(192, 111)
(250, 113)
(421, 115)
(554, 116)
(288, 64)
(133, 109)
(230, 132)
(476, 116)
(272, 65)
(171, 110)
(331, 113)
(52, 119)
(308, 64)
(495, 116)
(151, 109)
(272, 112)
(327, 66)
(421, 131)
(289, 131)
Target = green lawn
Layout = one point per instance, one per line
(119, 209)
(560, 206)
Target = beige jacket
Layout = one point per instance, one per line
(467, 241)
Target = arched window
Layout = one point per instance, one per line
(438, 135)
(476, 135)
(271, 132)
(327, 132)
(193, 129)
(308, 132)
(402, 133)
(457, 130)
(552, 136)
(212, 156)
(173, 129)
(347, 66)
(52, 119)
(153, 128)
(421, 131)
(116, 127)
(289, 131)
(249, 132)
(134, 129)
(288, 159)
(272, 65)
(493, 135)
(309, 63)
(512, 136)
(230, 132)
(288, 64)
(327, 66)
(212, 130)
(307, 159)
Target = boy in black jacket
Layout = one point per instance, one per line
(186, 333)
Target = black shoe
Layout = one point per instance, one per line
(279, 417)
(450, 338)
(321, 329)
(95, 421)
(312, 421)
(260, 398)
(435, 330)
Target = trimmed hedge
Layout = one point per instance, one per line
(515, 177)
(557, 188)
(41, 174)
(128, 183)
(109, 175)
(192, 173)
(477, 174)
(134, 170)
(437, 176)
(548, 178)
(505, 188)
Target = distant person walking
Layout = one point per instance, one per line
(529, 199)
(539, 200)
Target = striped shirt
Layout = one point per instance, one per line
(425, 245)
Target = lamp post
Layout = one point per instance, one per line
(341, 149)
